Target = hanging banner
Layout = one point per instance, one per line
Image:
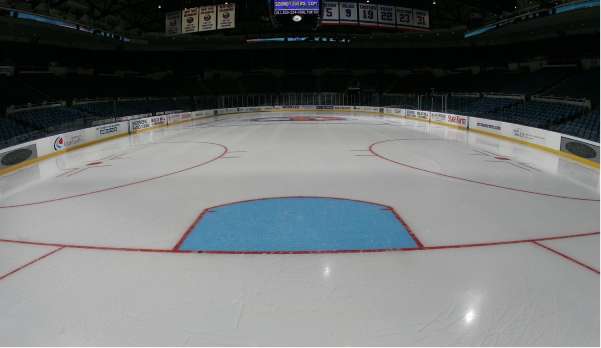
(190, 20)
(208, 18)
(422, 18)
(368, 15)
(330, 12)
(226, 16)
(404, 17)
(173, 23)
(348, 13)
(386, 16)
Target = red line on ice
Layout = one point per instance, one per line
(31, 262)
(225, 151)
(172, 251)
(567, 257)
(190, 229)
(372, 146)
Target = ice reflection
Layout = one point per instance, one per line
(469, 316)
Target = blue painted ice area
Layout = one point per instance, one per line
(298, 224)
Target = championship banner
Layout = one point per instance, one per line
(386, 16)
(348, 13)
(208, 18)
(190, 20)
(404, 17)
(226, 16)
(330, 13)
(368, 15)
(422, 18)
(173, 23)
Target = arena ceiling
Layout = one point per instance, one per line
(143, 16)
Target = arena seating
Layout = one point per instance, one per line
(223, 85)
(457, 104)
(484, 107)
(161, 104)
(561, 117)
(492, 81)
(532, 82)
(23, 125)
(101, 109)
(581, 84)
(400, 101)
(11, 129)
(52, 119)
(169, 104)
(47, 118)
(368, 88)
(183, 103)
(585, 126)
(257, 82)
(298, 82)
(531, 113)
(110, 109)
(133, 107)
(337, 81)
(541, 114)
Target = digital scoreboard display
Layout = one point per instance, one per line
(295, 7)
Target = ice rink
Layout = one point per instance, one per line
(503, 238)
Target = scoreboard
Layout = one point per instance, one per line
(293, 7)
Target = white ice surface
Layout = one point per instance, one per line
(505, 295)
(518, 294)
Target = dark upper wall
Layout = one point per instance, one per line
(583, 22)
(569, 49)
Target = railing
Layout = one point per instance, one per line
(227, 101)
(562, 100)
(46, 105)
